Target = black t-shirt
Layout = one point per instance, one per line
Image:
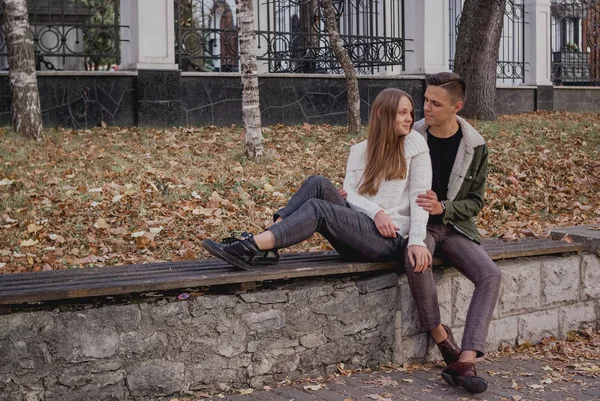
(443, 153)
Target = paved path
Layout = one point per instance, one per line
(520, 376)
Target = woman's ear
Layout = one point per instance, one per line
(379, 113)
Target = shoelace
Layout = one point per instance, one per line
(233, 239)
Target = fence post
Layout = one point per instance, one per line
(537, 42)
(151, 35)
(427, 26)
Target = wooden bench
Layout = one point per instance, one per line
(108, 281)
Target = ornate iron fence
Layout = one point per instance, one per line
(291, 35)
(511, 54)
(575, 42)
(72, 34)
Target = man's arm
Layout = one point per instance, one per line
(473, 202)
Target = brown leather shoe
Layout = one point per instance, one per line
(448, 348)
(464, 374)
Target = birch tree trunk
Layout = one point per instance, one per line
(476, 57)
(26, 114)
(344, 59)
(249, 73)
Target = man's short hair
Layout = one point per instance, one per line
(450, 81)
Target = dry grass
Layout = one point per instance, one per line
(114, 195)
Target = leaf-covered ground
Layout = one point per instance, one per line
(113, 195)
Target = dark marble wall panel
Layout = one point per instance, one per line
(287, 100)
(165, 98)
(580, 99)
(159, 94)
(515, 100)
(80, 101)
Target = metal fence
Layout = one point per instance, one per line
(291, 35)
(72, 34)
(511, 54)
(575, 42)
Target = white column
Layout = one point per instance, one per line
(427, 24)
(537, 42)
(151, 35)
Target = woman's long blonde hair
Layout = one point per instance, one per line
(385, 148)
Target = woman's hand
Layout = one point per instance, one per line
(384, 225)
(419, 257)
(343, 193)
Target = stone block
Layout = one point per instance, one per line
(26, 325)
(155, 377)
(215, 301)
(376, 283)
(535, 326)
(343, 302)
(312, 293)
(414, 348)
(265, 321)
(520, 289)
(313, 340)
(559, 280)
(502, 331)
(573, 317)
(591, 277)
(265, 297)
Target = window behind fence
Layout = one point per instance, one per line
(71, 34)
(575, 42)
(511, 54)
(291, 35)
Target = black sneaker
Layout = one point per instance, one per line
(241, 252)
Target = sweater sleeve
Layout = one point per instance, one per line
(419, 181)
(354, 172)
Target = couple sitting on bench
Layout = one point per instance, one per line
(411, 189)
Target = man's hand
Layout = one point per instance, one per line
(384, 225)
(343, 193)
(419, 257)
(430, 203)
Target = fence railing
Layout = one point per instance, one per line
(72, 34)
(511, 52)
(575, 42)
(291, 35)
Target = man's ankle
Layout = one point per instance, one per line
(439, 334)
(468, 356)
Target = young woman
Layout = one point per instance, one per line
(384, 175)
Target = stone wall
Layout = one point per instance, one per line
(146, 349)
(515, 99)
(171, 98)
(539, 297)
(577, 99)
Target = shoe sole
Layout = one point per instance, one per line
(214, 249)
(472, 384)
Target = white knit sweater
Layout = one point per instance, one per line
(397, 198)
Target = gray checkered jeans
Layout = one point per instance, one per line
(318, 207)
(473, 262)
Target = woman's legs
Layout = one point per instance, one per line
(351, 233)
(314, 187)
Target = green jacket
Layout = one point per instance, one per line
(466, 188)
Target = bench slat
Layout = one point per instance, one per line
(115, 280)
(224, 276)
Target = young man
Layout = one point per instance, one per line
(459, 160)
